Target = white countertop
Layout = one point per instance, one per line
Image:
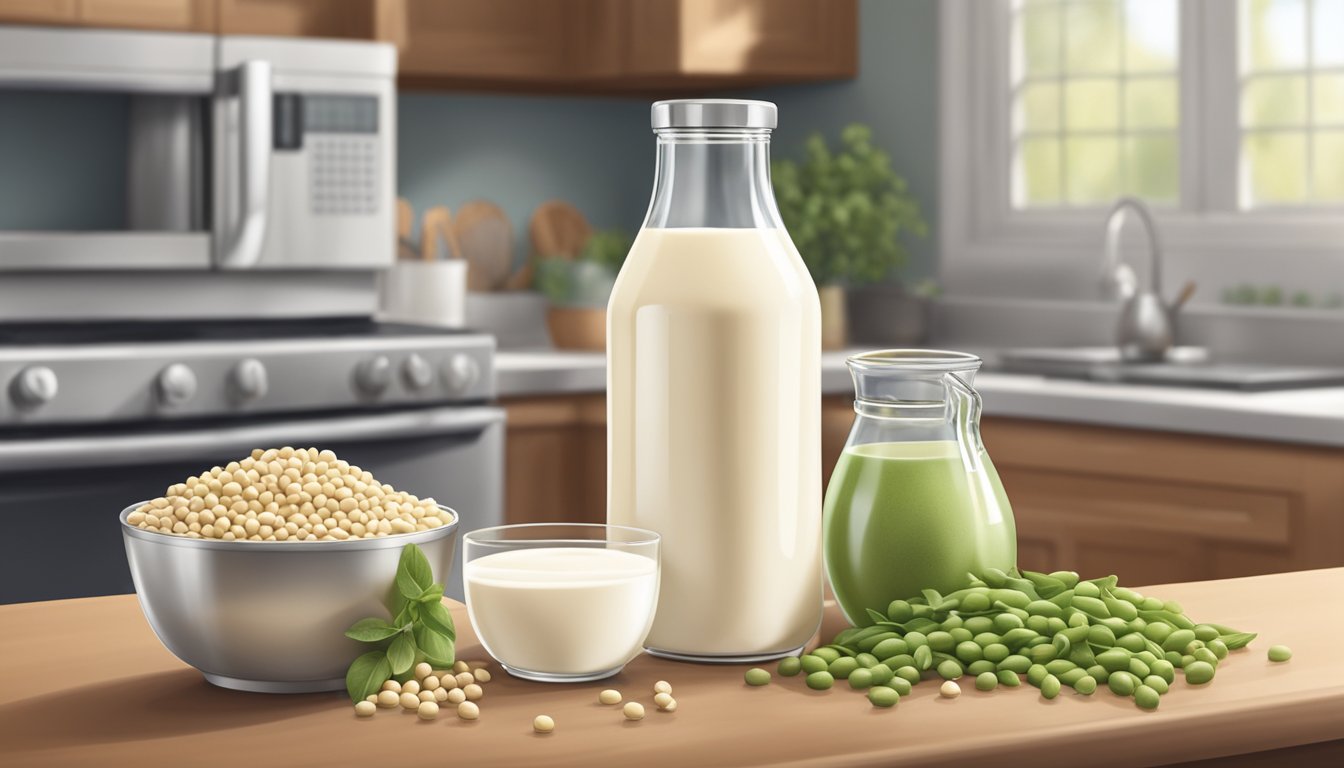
(1306, 416)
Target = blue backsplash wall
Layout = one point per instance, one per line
(598, 153)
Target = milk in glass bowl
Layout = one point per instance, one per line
(561, 602)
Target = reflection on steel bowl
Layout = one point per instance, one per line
(270, 616)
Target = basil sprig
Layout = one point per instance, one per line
(421, 629)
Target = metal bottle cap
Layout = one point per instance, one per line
(714, 113)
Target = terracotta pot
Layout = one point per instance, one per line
(834, 329)
(578, 327)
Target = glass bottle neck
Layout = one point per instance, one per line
(716, 178)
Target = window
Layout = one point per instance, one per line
(1095, 108)
(1291, 55)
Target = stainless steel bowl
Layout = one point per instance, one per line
(270, 616)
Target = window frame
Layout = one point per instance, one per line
(988, 246)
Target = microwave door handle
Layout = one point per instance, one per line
(111, 449)
(242, 248)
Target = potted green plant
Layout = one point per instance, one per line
(578, 287)
(847, 212)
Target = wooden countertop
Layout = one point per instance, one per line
(85, 682)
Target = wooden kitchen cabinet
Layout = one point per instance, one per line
(169, 15)
(555, 459)
(354, 19)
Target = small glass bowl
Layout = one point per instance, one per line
(561, 602)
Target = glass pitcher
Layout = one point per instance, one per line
(914, 502)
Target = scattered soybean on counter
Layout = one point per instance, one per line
(1056, 630)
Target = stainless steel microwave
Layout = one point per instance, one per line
(153, 152)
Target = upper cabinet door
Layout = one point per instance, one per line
(298, 18)
(173, 15)
(39, 11)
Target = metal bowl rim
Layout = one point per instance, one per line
(391, 541)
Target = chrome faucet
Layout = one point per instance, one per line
(1147, 327)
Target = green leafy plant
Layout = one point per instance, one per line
(585, 281)
(847, 210)
(421, 629)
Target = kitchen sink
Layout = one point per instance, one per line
(1183, 367)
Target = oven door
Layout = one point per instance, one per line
(60, 496)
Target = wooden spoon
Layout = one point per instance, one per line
(437, 235)
(558, 231)
(405, 223)
(484, 238)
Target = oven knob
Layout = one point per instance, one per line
(417, 372)
(34, 386)
(176, 384)
(249, 380)
(461, 373)
(373, 376)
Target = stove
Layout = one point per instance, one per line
(96, 373)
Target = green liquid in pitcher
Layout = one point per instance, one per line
(902, 517)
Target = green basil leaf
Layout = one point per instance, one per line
(438, 650)
(1237, 640)
(432, 595)
(371, 630)
(413, 569)
(366, 675)
(396, 602)
(876, 615)
(436, 617)
(401, 653)
(931, 597)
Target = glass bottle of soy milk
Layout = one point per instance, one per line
(713, 394)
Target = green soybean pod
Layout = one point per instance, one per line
(1146, 657)
(1138, 669)
(1086, 589)
(1061, 644)
(1056, 666)
(1187, 660)
(1072, 676)
(1010, 597)
(1007, 622)
(1044, 608)
(916, 640)
(827, 655)
(983, 639)
(1120, 609)
(1277, 654)
(1038, 624)
(866, 660)
(1092, 606)
(1009, 678)
(882, 696)
(951, 622)
(975, 602)
(1198, 672)
(1113, 660)
(899, 611)
(977, 624)
(996, 652)
(871, 642)
(986, 681)
(1069, 578)
(1193, 646)
(1036, 673)
(1098, 634)
(909, 674)
(1041, 654)
(1050, 687)
(1086, 685)
(820, 681)
(899, 660)
(1157, 632)
(968, 651)
(1128, 595)
(941, 641)
(1133, 642)
(1099, 673)
(757, 676)
(1078, 634)
(923, 657)
(1156, 683)
(1078, 620)
(1218, 647)
(1206, 633)
(1054, 625)
(892, 646)
(1172, 606)
(860, 679)
(980, 667)
(1016, 663)
(812, 663)
(960, 634)
(1178, 640)
(881, 674)
(950, 670)
(1173, 658)
(842, 667)
(1151, 604)
(1017, 637)
(901, 685)
(1122, 684)
(1163, 669)
(1146, 697)
(790, 666)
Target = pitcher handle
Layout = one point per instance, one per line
(964, 408)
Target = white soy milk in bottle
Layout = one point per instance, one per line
(713, 394)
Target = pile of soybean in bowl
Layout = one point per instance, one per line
(286, 494)
(1055, 629)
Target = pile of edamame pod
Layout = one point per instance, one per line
(1054, 628)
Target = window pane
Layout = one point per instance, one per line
(1151, 30)
(1327, 26)
(1328, 94)
(1091, 104)
(1092, 36)
(1329, 166)
(1037, 107)
(1273, 34)
(1275, 166)
(1037, 172)
(1037, 38)
(1151, 167)
(1269, 101)
(1151, 103)
(1091, 173)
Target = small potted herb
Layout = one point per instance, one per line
(578, 288)
(847, 212)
